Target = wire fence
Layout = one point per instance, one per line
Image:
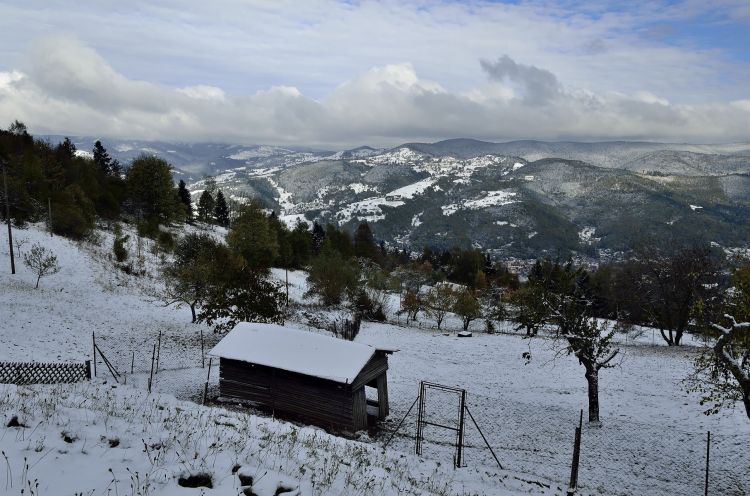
(613, 458)
(166, 361)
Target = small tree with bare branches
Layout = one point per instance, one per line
(41, 261)
(568, 305)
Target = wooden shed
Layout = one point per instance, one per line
(304, 376)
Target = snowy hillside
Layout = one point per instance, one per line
(509, 205)
(651, 440)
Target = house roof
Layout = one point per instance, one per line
(294, 350)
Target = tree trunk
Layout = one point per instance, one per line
(592, 377)
(668, 339)
(466, 324)
(192, 310)
(746, 401)
(37, 281)
(678, 337)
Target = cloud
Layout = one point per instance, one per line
(538, 86)
(67, 87)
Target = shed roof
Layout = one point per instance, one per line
(294, 350)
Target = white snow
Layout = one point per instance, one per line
(410, 191)
(84, 154)
(368, 210)
(416, 221)
(297, 351)
(489, 199)
(361, 188)
(651, 439)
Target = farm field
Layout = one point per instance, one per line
(651, 439)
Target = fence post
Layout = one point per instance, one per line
(203, 353)
(93, 341)
(158, 353)
(88, 369)
(151, 375)
(573, 486)
(708, 458)
(205, 387)
(460, 450)
(132, 363)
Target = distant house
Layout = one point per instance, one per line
(304, 376)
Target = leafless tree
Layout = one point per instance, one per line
(41, 261)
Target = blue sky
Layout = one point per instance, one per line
(324, 71)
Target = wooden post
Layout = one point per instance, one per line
(132, 363)
(88, 369)
(708, 459)
(573, 486)
(158, 353)
(460, 447)
(203, 353)
(151, 376)
(7, 219)
(420, 415)
(205, 387)
(93, 340)
(286, 273)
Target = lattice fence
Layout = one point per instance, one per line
(23, 373)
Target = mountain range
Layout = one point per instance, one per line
(520, 199)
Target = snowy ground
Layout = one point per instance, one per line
(652, 438)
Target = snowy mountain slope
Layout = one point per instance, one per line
(553, 200)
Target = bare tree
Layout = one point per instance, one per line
(732, 354)
(673, 286)
(41, 261)
(439, 302)
(569, 309)
(20, 242)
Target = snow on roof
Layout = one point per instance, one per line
(293, 350)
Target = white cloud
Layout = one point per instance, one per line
(67, 87)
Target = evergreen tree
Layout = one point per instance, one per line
(206, 206)
(221, 210)
(318, 237)
(364, 242)
(253, 237)
(151, 190)
(102, 160)
(186, 200)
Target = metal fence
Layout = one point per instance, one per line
(24, 373)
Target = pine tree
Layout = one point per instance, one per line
(364, 242)
(206, 205)
(318, 236)
(221, 210)
(102, 160)
(186, 200)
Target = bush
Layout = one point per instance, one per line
(165, 240)
(118, 247)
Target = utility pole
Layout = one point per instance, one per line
(7, 218)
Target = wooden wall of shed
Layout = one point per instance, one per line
(377, 366)
(316, 401)
(359, 409)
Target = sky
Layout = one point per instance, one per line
(349, 73)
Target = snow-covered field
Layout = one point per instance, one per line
(651, 441)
